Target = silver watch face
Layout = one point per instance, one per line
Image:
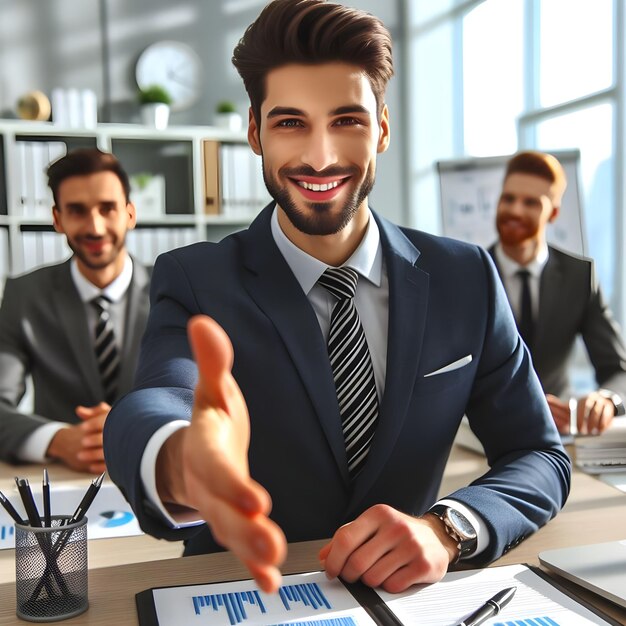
(461, 525)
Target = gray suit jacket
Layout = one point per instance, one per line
(571, 304)
(44, 333)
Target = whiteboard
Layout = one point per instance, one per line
(470, 189)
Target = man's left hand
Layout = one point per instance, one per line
(386, 548)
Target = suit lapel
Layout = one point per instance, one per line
(272, 285)
(137, 308)
(408, 305)
(71, 315)
(549, 284)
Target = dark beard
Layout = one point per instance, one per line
(322, 222)
(100, 263)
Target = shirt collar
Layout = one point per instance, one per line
(509, 267)
(114, 291)
(367, 259)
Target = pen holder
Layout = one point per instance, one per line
(51, 576)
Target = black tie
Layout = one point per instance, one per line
(525, 325)
(352, 368)
(107, 354)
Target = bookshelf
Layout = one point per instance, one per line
(172, 171)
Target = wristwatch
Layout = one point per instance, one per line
(615, 399)
(458, 527)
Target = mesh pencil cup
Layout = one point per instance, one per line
(51, 575)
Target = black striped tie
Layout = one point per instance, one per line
(352, 367)
(107, 354)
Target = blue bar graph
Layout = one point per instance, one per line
(309, 594)
(6, 532)
(232, 603)
(237, 604)
(535, 621)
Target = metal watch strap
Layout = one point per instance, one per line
(615, 399)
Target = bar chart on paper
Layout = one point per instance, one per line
(110, 516)
(534, 621)
(303, 600)
(7, 532)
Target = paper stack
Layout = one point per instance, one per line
(603, 453)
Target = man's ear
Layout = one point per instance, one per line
(55, 220)
(384, 135)
(132, 215)
(555, 213)
(253, 133)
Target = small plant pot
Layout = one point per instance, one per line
(155, 114)
(229, 121)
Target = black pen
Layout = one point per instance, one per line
(29, 502)
(44, 541)
(492, 607)
(88, 498)
(46, 499)
(10, 510)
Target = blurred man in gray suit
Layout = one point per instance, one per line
(74, 327)
(555, 295)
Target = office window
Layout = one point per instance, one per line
(575, 48)
(524, 74)
(433, 60)
(424, 10)
(493, 95)
(590, 130)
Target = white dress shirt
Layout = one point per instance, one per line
(372, 303)
(33, 449)
(513, 283)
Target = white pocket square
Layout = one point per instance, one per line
(451, 366)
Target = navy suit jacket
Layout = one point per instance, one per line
(445, 302)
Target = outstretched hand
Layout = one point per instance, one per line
(205, 466)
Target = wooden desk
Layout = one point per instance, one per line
(102, 552)
(595, 512)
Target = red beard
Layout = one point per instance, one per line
(513, 231)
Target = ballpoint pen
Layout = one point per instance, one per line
(10, 510)
(88, 498)
(29, 502)
(492, 607)
(46, 499)
(78, 515)
(34, 520)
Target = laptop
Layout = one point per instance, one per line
(599, 567)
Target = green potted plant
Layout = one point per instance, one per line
(155, 106)
(226, 116)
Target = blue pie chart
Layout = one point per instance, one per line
(115, 518)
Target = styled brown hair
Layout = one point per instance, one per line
(83, 162)
(539, 164)
(312, 32)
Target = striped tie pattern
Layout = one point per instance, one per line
(107, 354)
(352, 368)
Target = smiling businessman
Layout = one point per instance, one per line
(352, 349)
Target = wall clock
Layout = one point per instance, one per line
(174, 66)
